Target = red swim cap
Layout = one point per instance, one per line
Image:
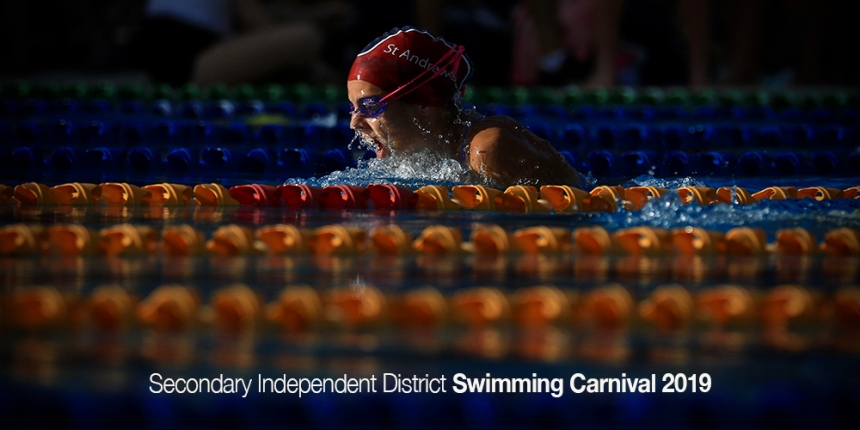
(399, 56)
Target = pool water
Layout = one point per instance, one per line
(794, 371)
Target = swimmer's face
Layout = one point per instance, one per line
(396, 130)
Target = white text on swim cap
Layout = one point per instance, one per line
(421, 62)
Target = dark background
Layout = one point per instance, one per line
(79, 39)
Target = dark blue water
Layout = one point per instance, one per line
(65, 377)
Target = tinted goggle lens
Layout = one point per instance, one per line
(370, 107)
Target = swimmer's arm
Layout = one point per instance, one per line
(506, 157)
(487, 159)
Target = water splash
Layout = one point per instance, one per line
(587, 181)
(358, 142)
(410, 171)
(669, 212)
(669, 183)
(411, 168)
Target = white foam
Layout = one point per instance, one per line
(410, 171)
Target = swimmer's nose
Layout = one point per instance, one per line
(357, 121)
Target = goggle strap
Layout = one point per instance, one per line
(457, 60)
(457, 53)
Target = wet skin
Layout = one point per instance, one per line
(395, 131)
(499, 148)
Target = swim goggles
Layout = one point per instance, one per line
(373, 106)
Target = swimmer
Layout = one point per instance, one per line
(405, 88)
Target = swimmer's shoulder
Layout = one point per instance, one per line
(494, 123)
(491, 130)
(492, 134)
(501, 133)
(501, 146)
